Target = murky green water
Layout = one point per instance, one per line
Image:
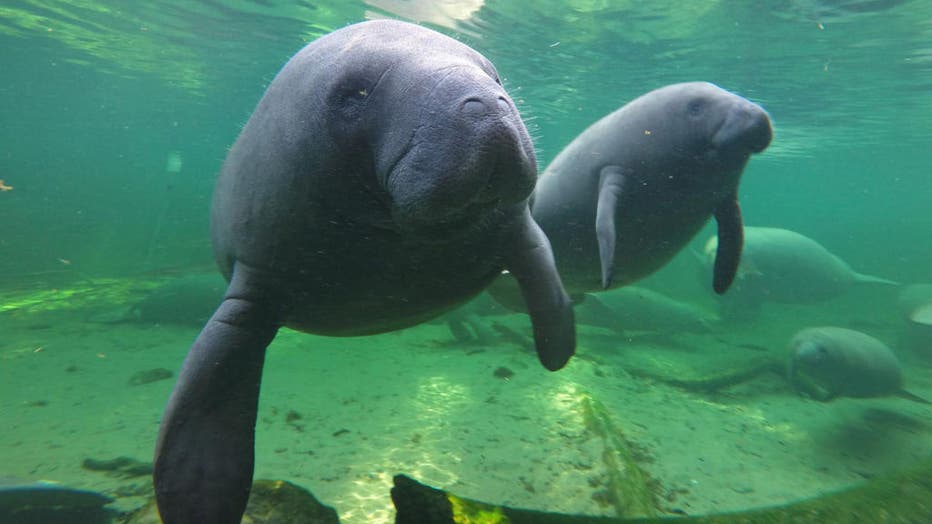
(115, 118)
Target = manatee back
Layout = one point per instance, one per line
(789, 267)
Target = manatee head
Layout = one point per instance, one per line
(709, 127)
(436, 137)
(812, 368)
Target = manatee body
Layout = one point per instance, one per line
(382, 180)
(830, 362)
(639, 308)
(630, 191)
(784, 266)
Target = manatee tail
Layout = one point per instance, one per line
(861, 278)
(909, 396)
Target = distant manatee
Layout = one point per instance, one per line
(779, 265)
(639, 308)
(829, 362)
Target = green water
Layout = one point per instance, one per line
(115, 118)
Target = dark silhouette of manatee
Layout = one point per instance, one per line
(381, 181)
(630, 191)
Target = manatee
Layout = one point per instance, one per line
(830, 362)
(382, 180)
(630, 191)
(640, 308)
(783, 266)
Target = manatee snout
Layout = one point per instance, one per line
(478, 153)
(746, 127)
(809, 352)
(809, 370)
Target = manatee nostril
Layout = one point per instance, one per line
(474, 106)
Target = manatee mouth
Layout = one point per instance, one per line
(465, 154)
(425, 192)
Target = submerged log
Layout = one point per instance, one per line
(897, 498)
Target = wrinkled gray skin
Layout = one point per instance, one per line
(784, 266)
(630, 191)
(381, 181)
(830, 362)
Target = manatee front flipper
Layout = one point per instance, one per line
(611, 185)
(205, 451)
(531, 262)
(730, 243)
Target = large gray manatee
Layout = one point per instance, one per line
(630, 191)
(382, 180)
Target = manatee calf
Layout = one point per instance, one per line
(630, 191)
(784, 266)
(382, 180)
(830, 362)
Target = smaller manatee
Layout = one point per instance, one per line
(639, 308)
(786, 267)
(628, 193)
(829, 362)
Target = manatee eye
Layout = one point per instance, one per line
(820, 355)
(498, 80)
(355, 91)
(695, 107)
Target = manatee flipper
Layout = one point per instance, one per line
(730, 243)
(531, 262)
(205, 451)
(611, 185)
